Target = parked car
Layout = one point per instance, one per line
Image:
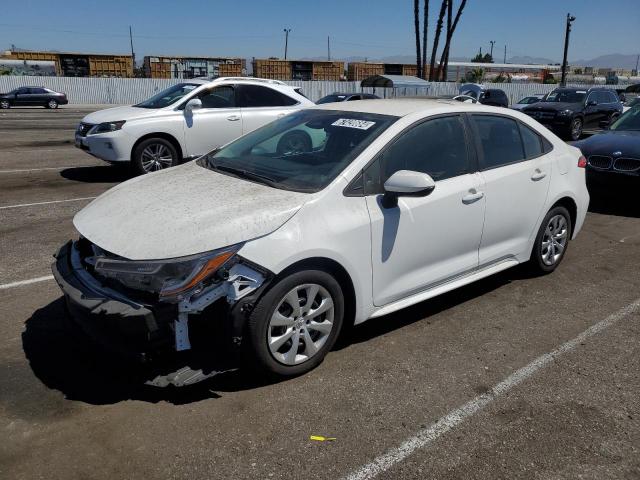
(33, 97)
(346, 97)
(187, 120)
(283, 250)
(523, 102)
(570, 112)
(479, 93)
(615, 150)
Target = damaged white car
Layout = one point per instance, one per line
(380, 205)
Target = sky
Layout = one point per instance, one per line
(368, 28)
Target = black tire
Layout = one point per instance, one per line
(536, 262)
(51, 104)
(257, 352)
(140, 165)
(575, 129)
(5, 104)
(295, 141)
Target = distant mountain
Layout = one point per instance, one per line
(526, 60)
(614, 60)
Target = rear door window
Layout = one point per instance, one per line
(531, 141)
(258, 96)
(500, 140)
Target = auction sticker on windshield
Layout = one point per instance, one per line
(353, 123)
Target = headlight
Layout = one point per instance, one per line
(565, 113)
(169, 278)
(106, 127)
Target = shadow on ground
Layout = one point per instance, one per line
(97, 174)
(614, 195)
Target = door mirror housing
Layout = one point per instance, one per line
(193, 104)
(407, 183)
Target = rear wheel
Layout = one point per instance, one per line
(154, 154)
(296, 323)
(4, 104)
(552, 241)
(52, 104)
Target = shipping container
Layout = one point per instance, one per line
(360, 70)
(329, 71)
(192, 67)
(83, 64)
(272, 68)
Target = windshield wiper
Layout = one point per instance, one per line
(256, 177)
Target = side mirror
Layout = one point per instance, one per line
(193, 104)
(406, 183)
(592, 103)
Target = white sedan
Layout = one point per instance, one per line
(186, 121)
(396, 201)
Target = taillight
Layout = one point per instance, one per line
(582, 162)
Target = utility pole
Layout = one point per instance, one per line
(563, 80)
(328, 50)
(637, 62)
(133, 55)
(492, 42)
(505, 54)
(286, 41)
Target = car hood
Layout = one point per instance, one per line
(556, 106)
(116, 114)
(610, 142)
(183, 211)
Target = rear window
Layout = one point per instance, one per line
(258, 96)
(500, 139)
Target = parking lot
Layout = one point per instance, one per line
(461, 386)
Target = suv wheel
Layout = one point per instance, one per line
(296, 323)
(552, 241)
(4, 104)
(292, 142)
(575, 130)
(52, 104)
(154, 154)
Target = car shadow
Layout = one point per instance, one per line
(614, 195)
(62, 359)
(97, 174)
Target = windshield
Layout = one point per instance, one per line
(529, 100)
(303, 151)
(331, 99)
(168, 96)
(566, 96)
(630, 120)
(470, 93)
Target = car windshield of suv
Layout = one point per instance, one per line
(168, 96)
(331, 99)
(566, 96)
(630, 120)
(303, 151)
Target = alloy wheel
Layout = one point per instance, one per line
(4, 104)
(576, 129)
(301, 324)
(53, 104)
(156, 157)
(554, 240)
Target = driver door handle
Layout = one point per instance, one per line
(233, 118)
(538, 175)
(473, 196)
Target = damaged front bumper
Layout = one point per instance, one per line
(211, 317)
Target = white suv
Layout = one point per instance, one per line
(187, 120)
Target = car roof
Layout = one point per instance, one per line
(401, 107)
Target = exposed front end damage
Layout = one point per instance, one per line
(137, 315)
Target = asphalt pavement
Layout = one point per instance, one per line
(512, 377)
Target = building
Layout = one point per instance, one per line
(192, 67)
(277, 69)
(68, 64)
(358, 71)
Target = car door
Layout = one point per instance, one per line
(22, 97)
(516, 174)
(593, 111)
(425, 241)
(38, 96)
(261, 105)
(218, 121)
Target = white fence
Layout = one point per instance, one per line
(125, 91)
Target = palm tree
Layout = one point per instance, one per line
(425, 25)
(451, 28)
(416, 22)
(436, 39)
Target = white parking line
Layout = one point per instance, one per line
(431, 433)
(46, 203)
(26, 282)
(45, 168)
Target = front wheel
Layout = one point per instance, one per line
(296, 323)
(575, 129)
(552, 241)
(153, 154)
(52, 104)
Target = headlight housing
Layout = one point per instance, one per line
(171, 279)
(565, 113)
(106, 127)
